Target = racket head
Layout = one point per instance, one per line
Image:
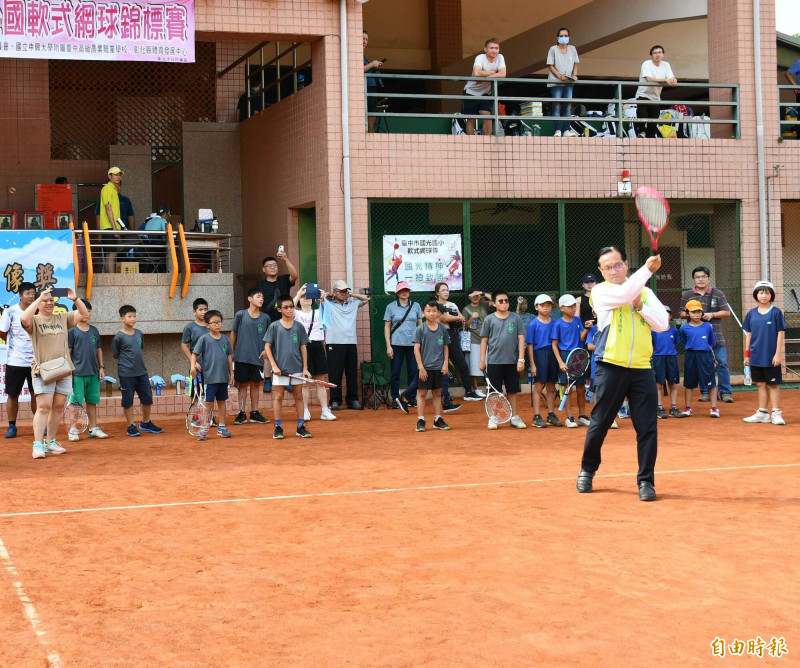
(75, 417)
(498, 407)
(198, 419)
(577, 363)
(653, 210)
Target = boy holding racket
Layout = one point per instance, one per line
(285, 346)
(544, 367)
(127, 347)
(568, 333)
(665, 368)
(698, 339)
(247, 339)
(764, 332)
(87, 357)
(431, 350)
(503, 353)
(214, 352)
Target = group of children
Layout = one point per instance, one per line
(549, 342)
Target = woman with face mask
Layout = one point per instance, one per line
(562, 66)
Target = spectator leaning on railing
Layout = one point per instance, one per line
(657, 71)
(489, 64)
(792, 75)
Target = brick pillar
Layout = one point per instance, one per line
(444, 28)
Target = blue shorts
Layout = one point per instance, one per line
(562, 376)
(476, 105)
(546, 366)
(218, 391)
(698, 370)
(138, 384)
(666, 366)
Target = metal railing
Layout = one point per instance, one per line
(620, 99)
(136, 251)
(783, 107)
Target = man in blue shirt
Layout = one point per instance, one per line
(792, 75)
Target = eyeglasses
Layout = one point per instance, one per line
(613, 267)
(287, 306)
(271, 265)
(215, 322)
(502, 301)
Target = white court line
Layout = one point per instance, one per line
(30, 612)
(316, 495)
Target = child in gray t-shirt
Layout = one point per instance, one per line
(285, 347)
(431, 351)
(214, 353)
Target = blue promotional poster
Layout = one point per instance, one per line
(41, 257)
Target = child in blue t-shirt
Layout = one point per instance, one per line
(544, 367)
(568, 333)
(764, 332)
(698, 341)
(665, 368)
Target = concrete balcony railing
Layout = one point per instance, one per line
(427, 104)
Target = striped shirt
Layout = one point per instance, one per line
(713, 300)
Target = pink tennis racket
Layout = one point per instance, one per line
(653, 211)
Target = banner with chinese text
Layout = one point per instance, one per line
(43, 258)
(423, 261)
(84, 30)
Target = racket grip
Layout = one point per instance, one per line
(563, 401)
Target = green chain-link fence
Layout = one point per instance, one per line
(530, 247)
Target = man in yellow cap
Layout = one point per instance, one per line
(109, 213)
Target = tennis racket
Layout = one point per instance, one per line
(577, 363)
(198, 417)
(653, 211)
(75, 417)
(313, 381)
(496, 404)
(797, 301)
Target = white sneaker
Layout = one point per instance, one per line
(38, 450)
(557, 133)
(492, 423)
(570, 422)
(327, 415)
(73, 435)
(571, 133)
(96, 432)
(614, 425)
(517, 423)
(306, 415)
(54, 448)
(777, 418)
(759, 416)
(480, 393)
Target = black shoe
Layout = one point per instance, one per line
(439, 423)
(675, 412)
(553, 421)
(472, 396)
(646, 491)
(412, 403)
(584, 484)
(451, 408)
(335, 405)
(241, 418)
(277, 432)
(704, 397)
(420, 425)
(661, 414)
(302, 432)
(402, 404)
(538, 422)
(255, 416)
(355, 406)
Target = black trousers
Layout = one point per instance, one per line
(647, 111)
(612, 385)
(343, 360)
(457, 355)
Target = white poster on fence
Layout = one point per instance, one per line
(26, 392)
(423, 260)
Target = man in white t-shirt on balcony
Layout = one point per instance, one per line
(654, 71)
(489, 64)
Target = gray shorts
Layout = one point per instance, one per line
(63, 386)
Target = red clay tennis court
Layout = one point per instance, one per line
(373, 545)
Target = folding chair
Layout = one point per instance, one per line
(374, 385)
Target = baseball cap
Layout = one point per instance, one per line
(402, 285)
(669, 310)
(567, 300)
(116, 170)
(340, 285)
(589, 277)
(542, 299)
(764, 285)
(694, 305)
